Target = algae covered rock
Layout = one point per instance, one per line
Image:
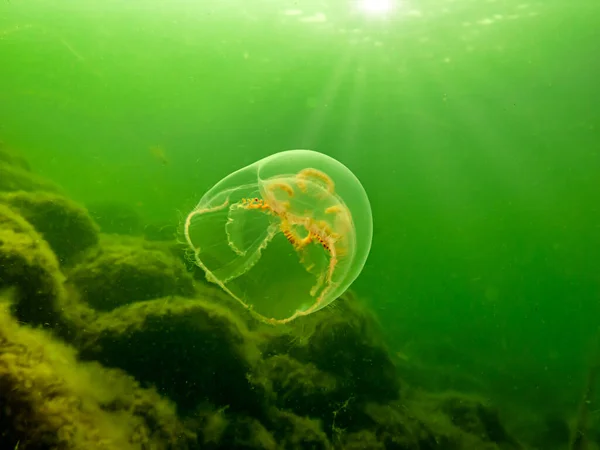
(50, 401)
(461, 421)
(294, 432)
(362, 440)
(64, 224)
(365, 367)
(11, 157)
(116, 274)
(16, 175)
(30, 267)
(191, 350)
(397, 428)
(343, 342)
(296, 386)
(474, 416)
(219, 430)
(13, 178)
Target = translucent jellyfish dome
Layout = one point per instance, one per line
(284, 236)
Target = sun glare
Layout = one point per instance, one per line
(376, 6)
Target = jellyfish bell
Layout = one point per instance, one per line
(284, 236)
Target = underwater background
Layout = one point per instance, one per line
(472, 125)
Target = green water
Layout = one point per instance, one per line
(473, 126)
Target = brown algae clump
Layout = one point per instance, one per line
(115, 274)
(64, 224)
(49, 400)
(29, 265)
(15, 178)
(13, 158)
(190, 349)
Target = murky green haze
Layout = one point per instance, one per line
(473, 125)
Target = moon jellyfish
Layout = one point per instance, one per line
(284, 236)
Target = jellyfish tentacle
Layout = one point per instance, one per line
(317, 286)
